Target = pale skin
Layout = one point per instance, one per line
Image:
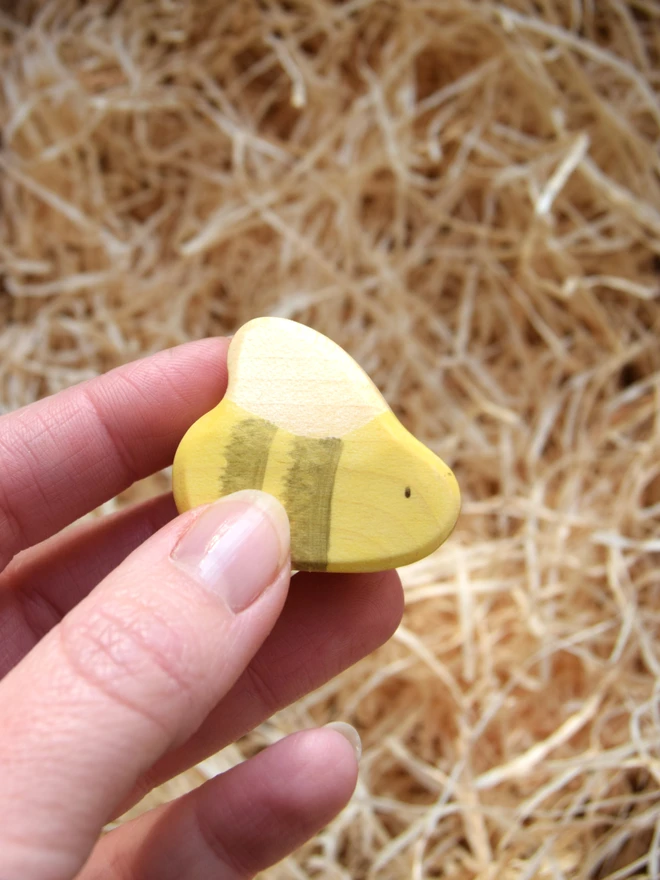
(134, 646)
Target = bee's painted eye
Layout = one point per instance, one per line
(407, 493)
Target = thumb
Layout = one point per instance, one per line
(130, 673)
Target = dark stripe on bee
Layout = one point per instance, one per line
(247, 455)
(309, 486)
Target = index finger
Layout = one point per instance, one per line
(67, 454)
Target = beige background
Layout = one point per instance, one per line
(466, 196)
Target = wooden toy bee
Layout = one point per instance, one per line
(302, 421)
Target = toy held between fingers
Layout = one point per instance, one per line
(302, 421)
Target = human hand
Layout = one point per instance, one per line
(136, 645)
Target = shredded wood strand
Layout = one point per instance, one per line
(466, 195)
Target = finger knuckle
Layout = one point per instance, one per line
(130, 653)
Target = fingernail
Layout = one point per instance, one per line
(349, 733)
(236, 547)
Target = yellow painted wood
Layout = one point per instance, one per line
(302, 421)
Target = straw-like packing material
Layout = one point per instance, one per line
(466, 196)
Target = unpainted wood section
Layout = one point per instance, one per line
(299, 380)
